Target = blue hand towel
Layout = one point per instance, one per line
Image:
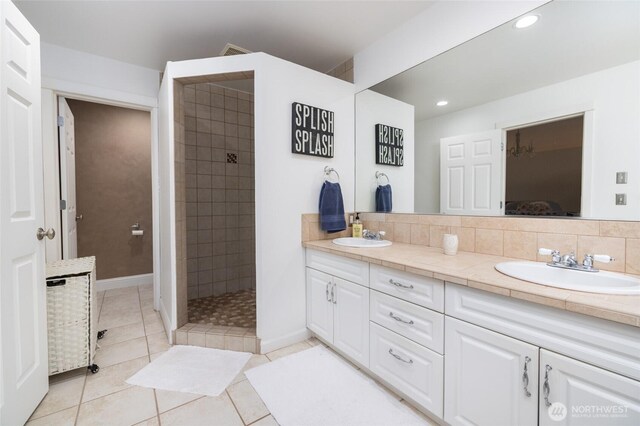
(383, 198)
(332, 208)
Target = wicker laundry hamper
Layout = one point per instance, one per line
(72, 317)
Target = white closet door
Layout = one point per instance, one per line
(23, 316)
(585, 395)
(319, 305)
(471, 174)
(351, 320)
(484, 375)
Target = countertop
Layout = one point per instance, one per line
(477, 271)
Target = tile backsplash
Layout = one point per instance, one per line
(516, 237)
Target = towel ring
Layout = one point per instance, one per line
(328, 170)
(379, 175)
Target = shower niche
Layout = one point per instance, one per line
(215, 187)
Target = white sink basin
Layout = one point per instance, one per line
(360, 242)
(592, 282)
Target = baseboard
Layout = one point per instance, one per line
(280, 342)
(122, 282)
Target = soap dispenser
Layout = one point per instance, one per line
(357, 227)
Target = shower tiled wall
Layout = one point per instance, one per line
(220, 207)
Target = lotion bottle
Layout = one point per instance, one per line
(357, 227)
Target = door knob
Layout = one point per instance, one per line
(41, 233)
(79, 218)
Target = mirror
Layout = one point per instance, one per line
(580, 60)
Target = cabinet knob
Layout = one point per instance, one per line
(546, 388)
(397, 284)
(525, 377)
(398, 357)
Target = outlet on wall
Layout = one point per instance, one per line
(621, 177)
(621, 199)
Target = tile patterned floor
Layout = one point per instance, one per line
(229, 309)
(135, 338)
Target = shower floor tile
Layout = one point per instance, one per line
(230, 309)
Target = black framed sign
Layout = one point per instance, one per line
(311, 130)
(389, 145)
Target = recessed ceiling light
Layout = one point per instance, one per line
(526, 21)
(442, 103)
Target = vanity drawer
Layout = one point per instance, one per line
(412, 369)
(419, 324)
(352, 270)
(424, 291)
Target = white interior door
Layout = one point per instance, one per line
(471, 174)
(23, 321)
(66, 136)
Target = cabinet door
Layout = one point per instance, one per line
(485, 377)
(351, 320)
(580, 393)
(319, 306)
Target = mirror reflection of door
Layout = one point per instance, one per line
(544, 169)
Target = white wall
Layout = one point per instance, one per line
(66, 69)
(287, 185)
(612, 94)
(373, 108)
(93, 78)
(440, 27)
(166, 274)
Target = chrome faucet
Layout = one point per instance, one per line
(369, 235)
(568, 261)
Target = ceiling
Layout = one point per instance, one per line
(316, 34)
(571, 38)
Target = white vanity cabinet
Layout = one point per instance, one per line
(472, 357)
(484, 369)
(490, 379)
(589, 395)
(338, 309)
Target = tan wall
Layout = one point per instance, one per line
(554, 172)
(517, 237)
(113, 187)
(549, 176)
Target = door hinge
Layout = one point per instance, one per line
(501, 146)
(63, 204)
(60, 121)
(500, 204)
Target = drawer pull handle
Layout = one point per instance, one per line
(546, 388)
(397, 318)
(327, 291)
(525, 377)
(398, 357)
(397, 284)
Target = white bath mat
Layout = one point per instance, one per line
(317, 387)
(192, 369)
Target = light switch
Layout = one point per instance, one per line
(621, 177)
(621, 199)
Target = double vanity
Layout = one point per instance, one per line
(469, 345)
